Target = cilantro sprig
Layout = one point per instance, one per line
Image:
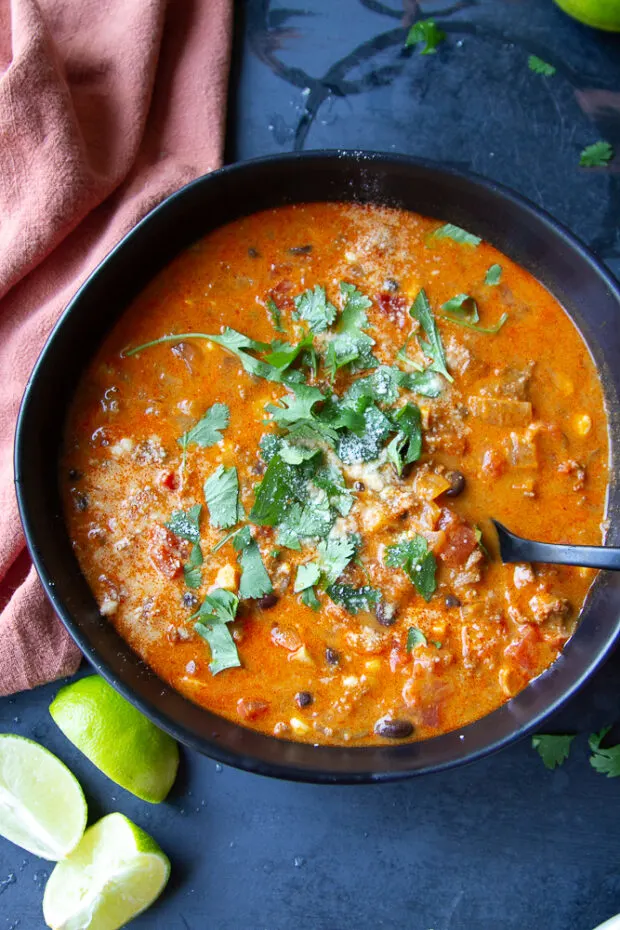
(207, 431)
(417, 561)
(597, 155)
(217, 610)
(538, 66)
(553, 749)
(433, 348)
(425, 32)
(221, 490)
(605, 760)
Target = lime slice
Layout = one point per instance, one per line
(42, 807)
(113, 874)
(117, 738)
(600, 14)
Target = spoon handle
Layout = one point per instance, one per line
(516, 549)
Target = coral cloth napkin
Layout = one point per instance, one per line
(106, 106)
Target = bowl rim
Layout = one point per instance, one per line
(212, 748)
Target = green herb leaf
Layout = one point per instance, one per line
(415, 637)
(414, 557)
(275, 315)
(426, 383)
(539, 66)
(218, 609)
(493, 275)
(207, 431)
(307, 576)
(331, 480)
(191, 569)
(382, 385)
(421, 311)
(353, 599)
(463, 307)
(294, 454)
(241, 346)
(425, 31)
(489, 330)
(314, 307)
(255, 581)
(334, 555)
(597, 155)
(313, 519)
(606, 761)
(186, 523)
(349, 344)
(406, 447)
(309, 598)
(450, 231)
(552, 749)
(221, 490)
(353, 448)
(283, 354)
(281, 485)
(296, 406)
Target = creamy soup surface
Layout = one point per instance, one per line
(290, 521)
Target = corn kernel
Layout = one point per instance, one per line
(227, 577)
(298, 726)
(582, 424)
(301, 655)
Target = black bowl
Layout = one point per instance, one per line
(515, 227)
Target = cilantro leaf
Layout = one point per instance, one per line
(427, 383)
(552, 749)
(314, 518)
(255, 581)
(206, 432)
(275, 315)
(415, 637)
(283, 354)
(335, 554)
(218, 609)
(307, 576)
(294, 454)
(421, 311)
(414, 557)
(489, 330)
(186, 523)
(382, 385)
(597, 155)
(314, 307)
(241, 346)
(296, 406)
(349, 344)
(309, 598)
(330, 480)
(353, 448)
(353, 599)
(406, 447)
(221, 490)
(281, 485)
(493, 275)
(539, 66)
(463, 307)
(450, 231)
(425, 31)
(606, 761)
(191, 570)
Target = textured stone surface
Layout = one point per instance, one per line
(503, 844)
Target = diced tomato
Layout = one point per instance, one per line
(250, 710)
(393, 305)
(460, 543)
(169, 480)
(523, 651)
(166, 551)
(281, 294)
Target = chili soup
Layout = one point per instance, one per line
(279, 469)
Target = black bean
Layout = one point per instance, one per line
(393, 729)
(457, 483)
(269, 600)
(385, 613)
(452, 601)
(253, 253)
(189, 600)
(391, 285)
(300, 250)
(332, 656)
(81, 501)
(303, 699)
(359, 486)
(74, 474)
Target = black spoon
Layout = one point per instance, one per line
(516, 549)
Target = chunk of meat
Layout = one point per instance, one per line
(494, 463)
(546, 607)
(166, 552)
(501, 411)
(523, 651)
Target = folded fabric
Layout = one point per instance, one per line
(105, 109)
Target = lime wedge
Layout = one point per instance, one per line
(113, 874)
(117, 738)
(42, 807)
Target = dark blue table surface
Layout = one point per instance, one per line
(503, 844)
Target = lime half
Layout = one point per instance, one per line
(600, 14)
(113, 874)
(117, 738)
(42, 807)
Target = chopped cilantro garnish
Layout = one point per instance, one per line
(353, 448)
(597, 155)
(207, 431)
(255, 581)
(414, 557)
(382, 385)
(406, 447)
(489, 330)
(335, 554)
(463, 307)
(307, 576)
(313, 519)
(421, 311)
(539, 66)
(186, 523)
(330, 480)
(349, 344)
(191, 570)
(275, 315)
(415, 637)
(295, 406)
(425, 31)
(218, 609)
(552, 749)
(221, 492)
(283, 354)
(450, 231)
(354, 599)
(310, 599)
(281, 485)
(606, 761)
(314, 307)
(493, 275)
(294, 454)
